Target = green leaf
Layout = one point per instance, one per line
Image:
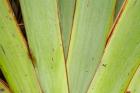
(43, 32)
(122, 55)
(14, 57)
(3, 87)
(93, 19)
(134, 86)
(67, 9)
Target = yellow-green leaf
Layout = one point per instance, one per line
(15, 62)
(122, 55)
(92, 22)
(43, 32)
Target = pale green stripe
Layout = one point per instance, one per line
(66, 8)
(119, 4)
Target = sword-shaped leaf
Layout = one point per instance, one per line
(122, 55)
(92, 22)
(43, 32)
(15, 62)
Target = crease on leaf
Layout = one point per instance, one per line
(116, 21)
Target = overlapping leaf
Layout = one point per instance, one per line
(92, 22)
(122, 55)
(15, 62)
(43, 32)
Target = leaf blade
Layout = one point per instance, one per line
(126, 58)
(89, 34)
(43, 32)
(14, 60)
